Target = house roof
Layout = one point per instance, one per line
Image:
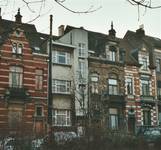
(133, 43)
(96, 40)
(7, 27)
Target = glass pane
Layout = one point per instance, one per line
(112, 81)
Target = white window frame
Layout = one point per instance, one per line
(58, 86)
(15, 77)
(144, 62)
(81, 49)
(113, 118)
(17, 48)
(158, 69)
(61, 117)
(145, 84)
(113, 86)
(56, 57)
(129, 86)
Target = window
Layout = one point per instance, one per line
(159, 118)
(81, 69)
(158, 65)
(16, 48)
(112, 87)
(159, 89)
(129, 86)
(61, 86)
(39, 111)
(113, 118)
(81, 49)
(39, 79)
(144, 63)
(61, 118)
(111, 53)
(147, 117)
(61, 57)
(159, 93)
(15, 77)
(145, 87)
(19, 49)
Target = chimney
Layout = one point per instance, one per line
(18, 17)
(140, 32)
(61, 30)
(112, 31)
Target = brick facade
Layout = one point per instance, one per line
(23, 106)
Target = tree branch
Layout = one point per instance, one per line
(143, 3)
(90, 10)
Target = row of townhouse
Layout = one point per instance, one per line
(97, 80)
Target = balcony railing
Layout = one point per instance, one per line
(16, 93)
(147, 98)
(119, 98)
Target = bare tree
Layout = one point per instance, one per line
(144, 3)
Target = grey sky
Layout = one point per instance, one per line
(124, 15)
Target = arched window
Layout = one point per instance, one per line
(14, 48)
(19, 50)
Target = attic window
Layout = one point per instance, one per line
(37, 48)
(17, 32)
(17, 48)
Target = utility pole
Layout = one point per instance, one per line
(50, 76)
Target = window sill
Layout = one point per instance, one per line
(65, 65)
(59, 93)
(61, 125)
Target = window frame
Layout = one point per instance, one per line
(113, 115)
(57, 85)
(158, 66)
(129, 87)
(17, 48)
(145, 87)
(112, 88)
(82, 68)
(144, 63)
(36, 112)
(64, 118)
(81, 49)
(39, 79)
(147, 121)
(16, 75)
(58, 55)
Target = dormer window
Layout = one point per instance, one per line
(111, 53)
(144, 63)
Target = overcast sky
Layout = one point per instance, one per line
(122, 13)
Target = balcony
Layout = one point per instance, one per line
(119, 98)
(147, 98)
(16, 94)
